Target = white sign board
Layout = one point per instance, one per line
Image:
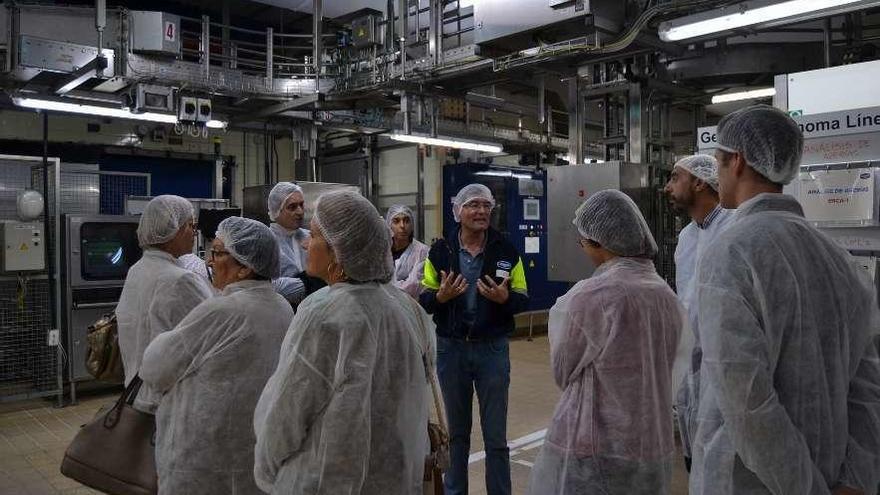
(862, 121)
(170, 31)
(835, 88)
(841, 197)
(842, 149)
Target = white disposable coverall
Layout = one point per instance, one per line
(409, 268)
(293, 260)
(158, 293)
(612, 342)
(790, 389)
(212, 368)
(693, 242)
(346, 411)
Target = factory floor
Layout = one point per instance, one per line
(34, 434)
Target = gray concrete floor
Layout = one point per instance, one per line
(34, 434)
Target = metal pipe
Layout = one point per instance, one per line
(317, 15)
(267, 168)
(402, 28)
(269, 50)
(435, 31)
(224, 34)
(542, 113)
(206, 45)
(404, 109)
(389, 26)
(459, 32)
(100, 23)
(420, 191)
(288, 35)
(47, 243)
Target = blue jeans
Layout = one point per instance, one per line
(463, 367)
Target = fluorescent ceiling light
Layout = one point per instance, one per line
(503, 173)
(119, 113)
(758, 13)
(447, 142)
(751, 94)
(215, 124)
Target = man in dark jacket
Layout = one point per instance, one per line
(474, 285)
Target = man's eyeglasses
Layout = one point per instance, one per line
(474, 206)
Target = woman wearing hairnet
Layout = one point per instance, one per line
(346, 411)
(212, 367)
(613, 339)
(286, 205)
(158, 292)
(408, 253)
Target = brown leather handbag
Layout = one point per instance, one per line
(115, 452)
(438, 460)
(103, 359)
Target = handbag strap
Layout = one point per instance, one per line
(127, 397)
(430, 371)
(131, 391)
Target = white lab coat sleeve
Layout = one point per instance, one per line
(861, 468)
(174, 300)
(737, 366)
(577, 332)
(175, 354)
(413, 283)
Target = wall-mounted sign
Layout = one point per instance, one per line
(814, 126)
(840, 197)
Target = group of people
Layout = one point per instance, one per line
(779, 391)
(305, 369)
(342, 408)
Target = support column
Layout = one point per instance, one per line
(635, 125)
(317, 40)
(575, 123)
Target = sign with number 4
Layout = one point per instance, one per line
(170, 31)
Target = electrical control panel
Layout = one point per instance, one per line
(23, 248)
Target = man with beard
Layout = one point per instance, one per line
(692, 189)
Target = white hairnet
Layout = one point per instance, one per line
(162, 218)
(703, 167)
(396, 210)
(612, 219)
(768, 139)
(279, 195)
(251, 243)
(357, 234)
(470, 193)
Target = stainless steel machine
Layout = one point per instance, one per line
(97, 252)
(567, 188)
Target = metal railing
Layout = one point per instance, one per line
(258, 53)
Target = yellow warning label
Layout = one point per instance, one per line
(361, 32)
(24, 247)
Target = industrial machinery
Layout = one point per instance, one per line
(521, 214)
(569, 186)
(97, 252)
